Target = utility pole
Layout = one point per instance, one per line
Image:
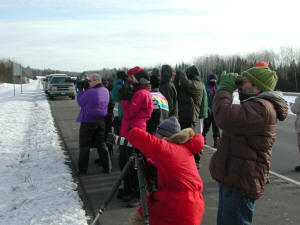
(296, 81)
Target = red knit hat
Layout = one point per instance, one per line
(261, 64)
(132, 71)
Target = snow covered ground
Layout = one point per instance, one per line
(36, 187)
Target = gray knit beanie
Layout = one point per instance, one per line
(168, 127)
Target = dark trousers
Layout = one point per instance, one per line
(192, 125)
(206, 125)
(92, 135)
(116, 123)
(108, 129)
(131, 183)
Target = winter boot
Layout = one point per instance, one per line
(297, 168)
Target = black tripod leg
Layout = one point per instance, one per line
(111, 194)
(143, 193)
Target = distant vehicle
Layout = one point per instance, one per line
(45, 83)
(47, 79)
(60, 85)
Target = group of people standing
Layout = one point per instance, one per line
(167, 116)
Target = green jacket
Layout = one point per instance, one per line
(189, 95)
(204, 104)
(116, 97)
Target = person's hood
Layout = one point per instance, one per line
(166, 74)
(192, 72)
(276, 98)
(193, 141)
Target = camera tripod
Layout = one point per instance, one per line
(137, 159)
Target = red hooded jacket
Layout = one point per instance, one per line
(178, 199)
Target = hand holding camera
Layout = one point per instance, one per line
(83, 85)
(228, 82)
(126, 91)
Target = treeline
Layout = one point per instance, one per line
(6, 71)
(286, 63)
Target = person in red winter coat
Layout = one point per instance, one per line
(178, 199)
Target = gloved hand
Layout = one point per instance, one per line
(80, 86)
(111, 138)
(126, 91)
(227, 82)
(179, 73)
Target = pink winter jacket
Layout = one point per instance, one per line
(136, 111)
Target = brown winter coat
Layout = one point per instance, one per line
(243, 156)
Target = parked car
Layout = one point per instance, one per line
(47, 80)
(60, 85)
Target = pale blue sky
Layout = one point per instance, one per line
(80, 35)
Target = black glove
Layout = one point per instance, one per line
(110, 138)
(179, 74)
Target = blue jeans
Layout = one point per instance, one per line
(234, 209)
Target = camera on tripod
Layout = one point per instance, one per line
(117, 140)
(138, 160)
(148, 168)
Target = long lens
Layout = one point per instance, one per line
(122, 141)
(117, 140)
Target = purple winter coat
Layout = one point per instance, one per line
(93, 103)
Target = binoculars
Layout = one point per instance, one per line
(239, 80)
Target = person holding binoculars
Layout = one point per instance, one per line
(242, 161)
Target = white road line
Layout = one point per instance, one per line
(271, 172)
(285, 178)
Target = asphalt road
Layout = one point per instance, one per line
(279, 205)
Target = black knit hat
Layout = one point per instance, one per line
(168, 127)
(142, 77)
(155, 78)
(122, 75)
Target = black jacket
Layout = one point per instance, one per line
(168, 89)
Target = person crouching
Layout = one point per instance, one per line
(178, 199)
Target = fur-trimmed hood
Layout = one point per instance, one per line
(193, 141)
(181, 137)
